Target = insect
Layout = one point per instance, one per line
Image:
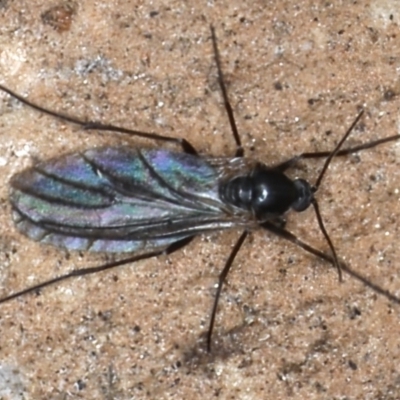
(148, 202)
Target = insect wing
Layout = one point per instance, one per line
(118, 199)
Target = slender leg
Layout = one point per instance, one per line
(283, 233)
(228, 107)
(344, 152)
(92, 270)
(329, 155)
(91, 125)
(221, 280)
(352, 150)
(187, 147)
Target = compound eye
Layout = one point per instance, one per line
(304, 195)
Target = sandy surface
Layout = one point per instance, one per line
(297, 75)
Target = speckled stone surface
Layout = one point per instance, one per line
(297, 74)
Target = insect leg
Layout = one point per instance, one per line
(227, 104)
(352, 150)
(91, 125)
(343, 152)
(92, 270)
(326, 154)
(221, 280)
(283, 233)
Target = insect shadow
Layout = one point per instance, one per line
(149, 202)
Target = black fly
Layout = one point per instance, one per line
(149, 202)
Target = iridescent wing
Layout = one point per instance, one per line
(119, 199)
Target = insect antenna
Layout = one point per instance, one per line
(316, 186)
(335, 151)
